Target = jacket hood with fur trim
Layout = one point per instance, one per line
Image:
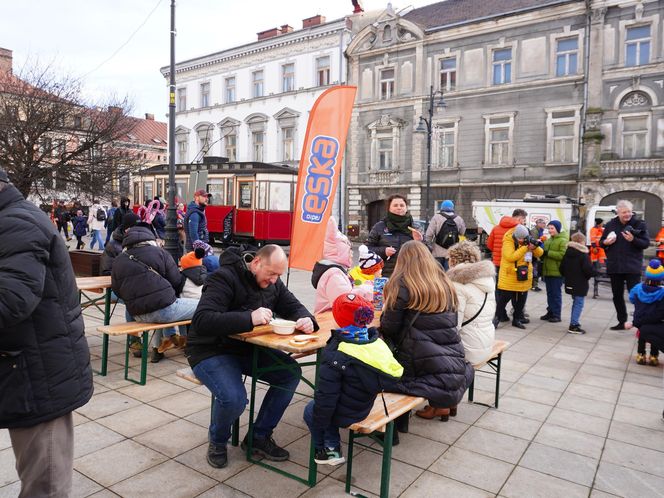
(578, 247)
(480, 274)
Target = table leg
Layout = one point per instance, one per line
(104, 339)
(252, 403)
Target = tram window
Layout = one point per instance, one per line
(246, 194)
(216, 187)
(180, 191)
(229, 193)
(262, 195)
(137, 193)
(280, 196)
(147, 191)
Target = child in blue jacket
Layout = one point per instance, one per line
(356, 365)
(648, 299)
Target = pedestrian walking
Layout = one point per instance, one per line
(96, 221)
(444, 230)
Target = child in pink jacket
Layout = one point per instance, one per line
(330, 274)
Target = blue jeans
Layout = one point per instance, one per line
(222, 375)
(323, 438)
(181, 309)
(95, 236)
(554, 295)
(577, 308)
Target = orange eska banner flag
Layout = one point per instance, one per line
(320, 168)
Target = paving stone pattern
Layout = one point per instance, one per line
(577, 417)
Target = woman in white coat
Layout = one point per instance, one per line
(474, 282)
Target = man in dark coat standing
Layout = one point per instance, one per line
(195, 222)
(624, 239)
(44, 358)
(244, 292)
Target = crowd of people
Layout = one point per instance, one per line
(441, 301)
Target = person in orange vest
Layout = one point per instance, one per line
(660, 245)
(597, 254)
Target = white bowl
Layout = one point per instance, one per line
(282, 327)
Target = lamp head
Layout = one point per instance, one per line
(421, 126)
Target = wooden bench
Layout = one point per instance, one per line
(136, 329)
(378, 421)
(494, 362)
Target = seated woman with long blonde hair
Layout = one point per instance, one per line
(419, 320)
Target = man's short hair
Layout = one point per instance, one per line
(624, 203)
(267, 251)
(519, 212)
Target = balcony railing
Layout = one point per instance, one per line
(384, 177)
(633, 167)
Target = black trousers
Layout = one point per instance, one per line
(618, 282)
(518, 301)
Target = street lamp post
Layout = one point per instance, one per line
(426, 126)
(171, 242)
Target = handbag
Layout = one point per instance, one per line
(463, 324)
(521, 272)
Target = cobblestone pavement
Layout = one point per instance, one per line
(577, 417)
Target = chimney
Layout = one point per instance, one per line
(149, 117)
(113, 109)
(270, 33)
(5, 61)
(285, 28)
(313, 21)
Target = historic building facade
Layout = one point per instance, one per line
(513, 77)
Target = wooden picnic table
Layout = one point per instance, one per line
(98, 285)
(93, 283)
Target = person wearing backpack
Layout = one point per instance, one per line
(96, 220)
(445, 230)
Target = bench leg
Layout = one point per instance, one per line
(235, 432)
(387, 461)
(500, 355)
(349, 459)
(470, 390)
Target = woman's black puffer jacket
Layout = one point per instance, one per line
(430, 351)
(144, 289)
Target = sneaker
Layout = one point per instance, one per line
(653, 361)
(536, 289)
(267, 448)
(136, 349)
(155, 356)
(217, 455)
(576, 329)
(329, 456)
(640, 359)
(166, 344)
(619, 326)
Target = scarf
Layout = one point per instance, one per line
(398, 223)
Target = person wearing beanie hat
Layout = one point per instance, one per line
(370, 266)
(554, 250)
(445, 229)
(576, 269)
(114, 246)
(129, 220)
(210, 261)
(356, 365)
(648, 300)
(515, 274)
(195, 273)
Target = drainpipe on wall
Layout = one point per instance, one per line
(586, 70)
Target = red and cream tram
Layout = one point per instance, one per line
(249, 202)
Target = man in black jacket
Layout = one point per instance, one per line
(624, 239)
(246, 291)
(44, 358)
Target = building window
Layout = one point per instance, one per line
(499, 139)
(204, 141)
(502, 66)
(182, 150)
(445, 138)
(385, 153)
(288, 143)
(230, 89)
(635, 136)
(566, 56)
(230, 147)
(257, 83)
(257, 141)
(288, 77)
(448, 74)
(323, 71)
(562, 132)
(637, 46)
(205, 94)
(386, 83)
(182, 99)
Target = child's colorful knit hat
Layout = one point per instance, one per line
(655, 271)
(369, 261)
(205, 246)
(193, 258)
(352, 310)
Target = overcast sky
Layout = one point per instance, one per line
(79, 36)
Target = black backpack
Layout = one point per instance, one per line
(101, 214)
(448, 235)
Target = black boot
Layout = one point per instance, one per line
(401, 423)
(217, 455)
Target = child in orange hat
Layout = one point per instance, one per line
(192, 268)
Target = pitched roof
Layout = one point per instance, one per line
(451, 12)
(148, 132)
